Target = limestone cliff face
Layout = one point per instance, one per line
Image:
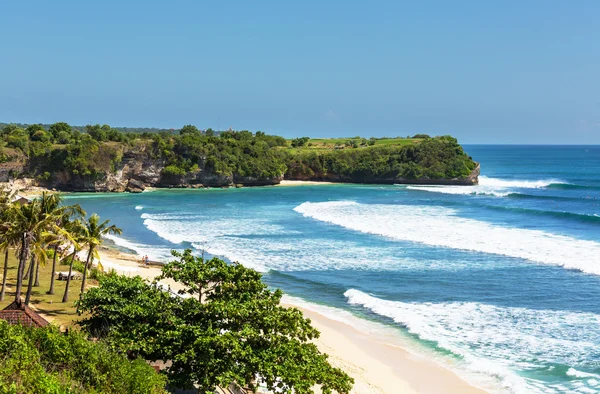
(135, 171)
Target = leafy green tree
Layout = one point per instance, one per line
(34, 129)
(18, 139)
(41, 136)
(97, 132)
(225, 326)
(63, 137)
(299, 142)
(189, 129)
(58, 129)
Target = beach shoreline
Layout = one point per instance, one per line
(377, 367)
(286, 182)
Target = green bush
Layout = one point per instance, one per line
(43, 360)
(173, 170)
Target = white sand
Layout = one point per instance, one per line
(303, 183)
(377, 368)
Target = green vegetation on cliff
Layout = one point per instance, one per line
(431, 158)
(59, 154)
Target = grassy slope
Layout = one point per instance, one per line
(323, 144)
(51, 306)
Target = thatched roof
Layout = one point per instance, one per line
(19, 313)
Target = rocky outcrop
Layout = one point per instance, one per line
(135, 172)
(135, 186)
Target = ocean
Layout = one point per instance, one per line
(500, 282)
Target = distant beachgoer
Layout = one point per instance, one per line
(146, 260)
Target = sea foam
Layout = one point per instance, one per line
(154, 253)
(498, 340)
(491, 187)
(439, 226)
(258, 243)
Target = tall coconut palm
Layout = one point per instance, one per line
(94, 231)
(29, 229)
(6, 212)
(51, 204)
(77, 232)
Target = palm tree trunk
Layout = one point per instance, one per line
(22, 262)
(51, 291)
(26, 271)
(66, 295)
(30, 282)
(37, 274)
(85, 269)
(4, 275)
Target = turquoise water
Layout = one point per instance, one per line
(503, 278)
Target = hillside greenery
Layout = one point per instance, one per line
(60, 150)
(44, 360)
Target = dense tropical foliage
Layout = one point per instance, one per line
(432, 158)
(223, 326)
(59, 152)
(44, 360)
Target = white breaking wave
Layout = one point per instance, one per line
(262, 245)
(138, 207)
(496, 340)
(464, 190)
(489, 186)
(155, 254)
(438, 226)
(580, 374)
(524, 184)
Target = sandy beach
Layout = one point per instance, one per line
(302, 183)
(377, 368)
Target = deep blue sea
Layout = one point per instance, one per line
(500, 281)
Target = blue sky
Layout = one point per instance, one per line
(486, 72)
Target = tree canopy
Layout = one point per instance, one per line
(223, 326)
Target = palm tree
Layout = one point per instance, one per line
(77, 231)
(51, 204)
(6, 212)
(94, 231)
(29, 229)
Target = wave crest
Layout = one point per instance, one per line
(438, 226)
(492, 187)
(495, 340)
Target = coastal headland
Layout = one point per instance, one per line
(98, 158)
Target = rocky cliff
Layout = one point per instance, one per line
(135, 170)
